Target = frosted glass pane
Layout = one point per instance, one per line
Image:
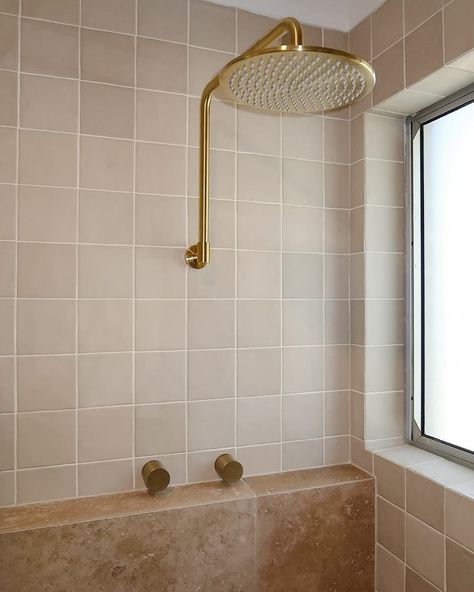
(449, 277)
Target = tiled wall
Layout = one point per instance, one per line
(112, 351)
(425, 505)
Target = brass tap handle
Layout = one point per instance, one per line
(155, 477)
(228, 469)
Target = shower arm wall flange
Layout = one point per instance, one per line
(199, 255)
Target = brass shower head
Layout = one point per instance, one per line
(296, 79)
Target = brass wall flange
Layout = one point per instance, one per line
(228, 469)
(155, 477)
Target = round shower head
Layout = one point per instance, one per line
(297, 79)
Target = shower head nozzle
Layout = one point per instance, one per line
(297, 79)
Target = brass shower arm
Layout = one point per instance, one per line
(199, 255)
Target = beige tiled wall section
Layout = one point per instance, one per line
(112, 351)
(421, 51)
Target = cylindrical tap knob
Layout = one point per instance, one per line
(228, 469)
(155, 477)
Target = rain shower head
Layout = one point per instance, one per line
(296, 79)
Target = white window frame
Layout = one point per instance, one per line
(414, 297)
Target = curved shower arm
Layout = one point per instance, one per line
(199, 255)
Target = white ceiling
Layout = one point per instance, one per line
(332, 14)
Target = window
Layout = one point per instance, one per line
(441, 278)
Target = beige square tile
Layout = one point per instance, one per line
(360, 39)
(258, 323)
(336, 413)
(7, 384)
(358, 183)
(425, 500)
(48, 159)
(258, 420)
(222, 123)
(336, 276)
(302, 275)
(204, 64)
(303, 416)
(424, 49)
(46, 438)
(160, 429)
(48, 103)
(217, 280)
(258, 275)
(160, 221)
(201, 465)
(160, 325)
(161, 117)
(357, 275)
(46, 382)
(7, 488)
(221, 177)
(458, 34)
(105, 217)
(161, 65)
(384, 275)
(415, 583)
(7, 269)
(258, 132)
(357, 405)
(459, 566)
(49, 48)
(302, 455)
(161, 169)
(203, 380)
(459, 519)
(384, 415)
(390, 481)
(357, 322)
(384, 138)
(390, 572)
(260, 460)
(10, 6)
(159, 273)
(64, 11)
(258, 227)
(113, 15)
(303, 322)
(212, 26)
(391, 528)
(302, 369)
(160, 377)
(387, 25)
(303, 137)
(417, 12)
(357, 229)
(49, 483)
(384, 183)
(312, 35)
(106, 164)
(97, 441)
(164, 19)
(258, 178)
(336, 140)
(357, 139)
(251, 27)
(7, 323)
(303, 182)
(335, 39)
(107, 57)
(8, 98)
(302, 229)
(211, 424)
(337, 450)
(211, 324)
(105, 379)
(105, 477)
(9, 42)
(7, 155)
(107, 110)
(389, 66)
(336, 185)
(105, 325)
(336, 231)
(384, 322)
(47, 214)
(7, 441)
(222, 223)
(7, 212)
(258, 372)
(46, 326)
(105, 272)
(336, 322)
(337, 367)
(46, 270)
(425, 551)
(360, 456)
